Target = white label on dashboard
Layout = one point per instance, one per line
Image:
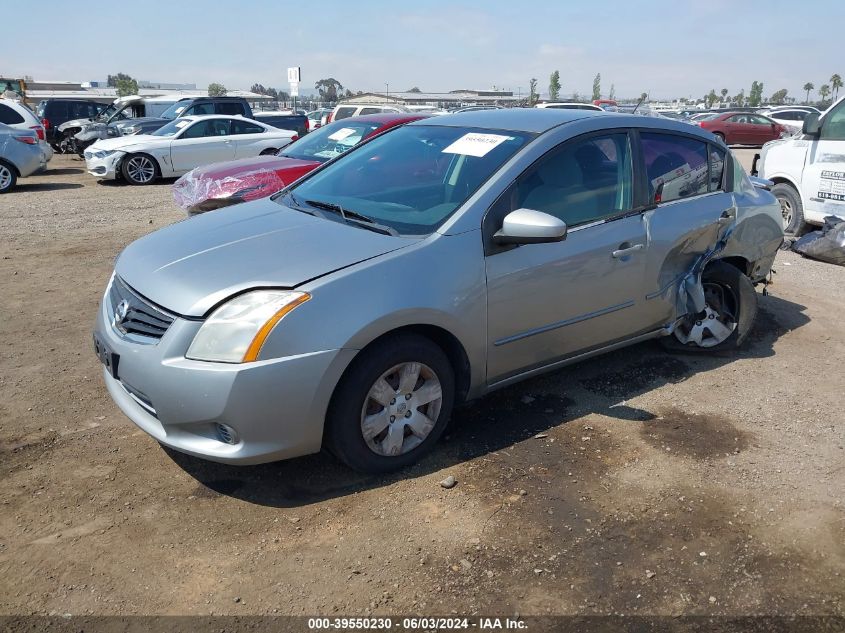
(342, 133)
(474, 144)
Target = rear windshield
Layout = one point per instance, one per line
(411, 178)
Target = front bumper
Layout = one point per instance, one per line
(106, 168)
(276, 407)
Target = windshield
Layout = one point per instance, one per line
(329, 141)
(106, 113)
(175, 110)
(172, 128)
(411, 178)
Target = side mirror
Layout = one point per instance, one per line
(761, 183)
(527, 226)
(811, 125)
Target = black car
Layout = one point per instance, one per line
(54, 112)
(297, 122)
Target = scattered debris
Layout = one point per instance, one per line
(449, 482)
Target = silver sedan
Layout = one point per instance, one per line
(430, 265)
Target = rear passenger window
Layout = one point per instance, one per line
(343, 113)
(717, 168)
(245, 127)
(9, 116)
(585, 181)
(676, 166)
(225, 107)
(370, 111)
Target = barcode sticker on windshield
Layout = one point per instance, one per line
(476, 144)
(342, 133)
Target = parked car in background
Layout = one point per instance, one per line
(346, 111)
(743, 128)
(808, 170)
(55, 112)
(317, 118)
(792, 118)
(475, 108)
(569, 106)
(20, 156)
(284, 121)
(224, 184)
(185, 107)
(435, 263)
(15, 114)
(181, 145)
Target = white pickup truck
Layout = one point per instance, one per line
(808, 170)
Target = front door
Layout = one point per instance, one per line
(823, 182)
(550, 301)
(203, 142)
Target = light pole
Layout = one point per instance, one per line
(387, 89)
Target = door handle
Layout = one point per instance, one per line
(622, 252)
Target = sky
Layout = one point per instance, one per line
(668, 48)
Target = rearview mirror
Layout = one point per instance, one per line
(811, 125)
(527, 226)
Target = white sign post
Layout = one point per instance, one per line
(294, 76)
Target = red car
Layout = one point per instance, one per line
(743, 128)
(223, 184)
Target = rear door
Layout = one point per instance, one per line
(689, 175)
(250, 138)
(204, 142)
(823, 182)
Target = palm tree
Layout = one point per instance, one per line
(724, 94)
(808, 86)
(836, 84)
(824, 91)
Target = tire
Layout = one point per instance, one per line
(731, 305)
(8, 177)
(139, 169)
(791, 208)
(269, 152)
(353, 403)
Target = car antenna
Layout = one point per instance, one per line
(639, 103)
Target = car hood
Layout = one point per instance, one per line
(129, 143)
(190, 267)
(279, 164)
(74, 123)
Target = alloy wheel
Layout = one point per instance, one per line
(786, 212)
(140, 169)
(401, 409)
(5, 177)
(716, 323)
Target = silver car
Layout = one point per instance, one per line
(430, 265)
(20, 155)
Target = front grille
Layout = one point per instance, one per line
(131, 314)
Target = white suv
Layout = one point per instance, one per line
(16, 115)
(346, 111)
(808, 170)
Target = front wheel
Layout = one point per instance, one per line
(8, 177)
(139, 169)
(791, 208)
(728, 316)
(392, 404)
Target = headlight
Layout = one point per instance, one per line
(130, 129)
(104, 152)
(235, 332)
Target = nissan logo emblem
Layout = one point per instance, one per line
(120, 313)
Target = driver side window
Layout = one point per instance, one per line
(833, 126)
(584, 181)
(209, 127)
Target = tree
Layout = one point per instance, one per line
(644, 96)
(597, 87)
(329, 89)
(216, 90)
(612, 94)
(414, 89)
(755, 96)
(711, 98)
(739, 99)
(258, 89)
(112, 80)
(126, 87)
(349, 93)
(779, 97)
(724, 93)
(532, 92)
(808, 86)
(554, 86)
(824, 92)
(836, 84)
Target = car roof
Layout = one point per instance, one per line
(388, 117)
(536, 120)
(541, 120)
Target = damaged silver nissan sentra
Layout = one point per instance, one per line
(432, 264)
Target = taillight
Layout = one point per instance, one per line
(330, 117)
(26, 139)
(45, 123)
(293, 138)
(39, 130)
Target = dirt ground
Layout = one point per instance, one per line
(639, 482)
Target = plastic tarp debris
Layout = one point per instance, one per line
(195, 192)
(827, 245)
